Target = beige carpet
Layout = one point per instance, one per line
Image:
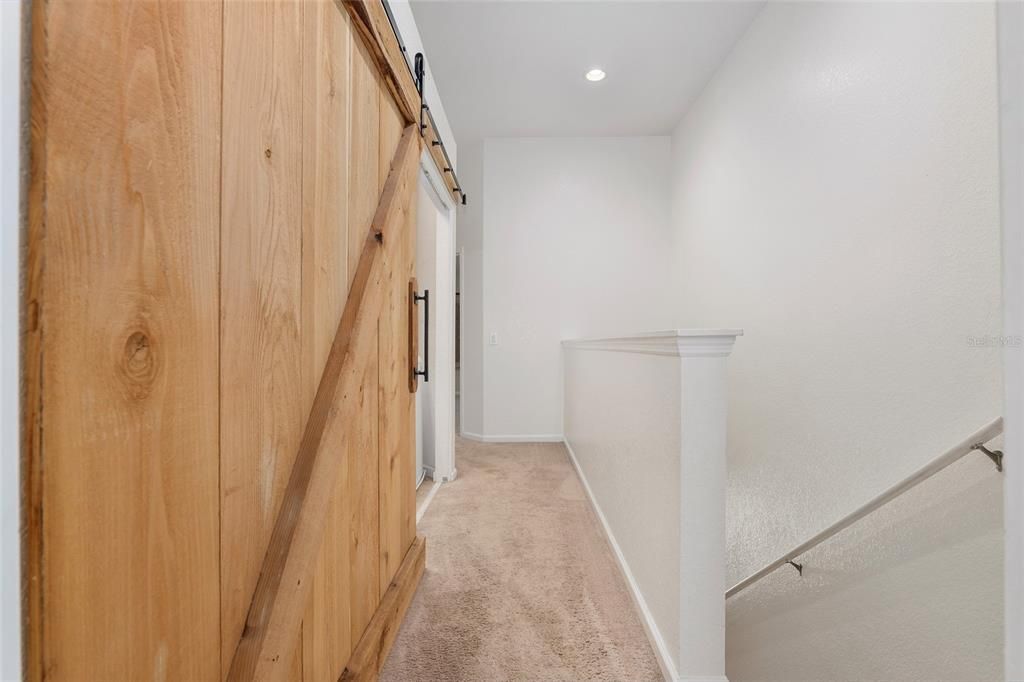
(520, 582)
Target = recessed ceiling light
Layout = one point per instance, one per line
(595, 75)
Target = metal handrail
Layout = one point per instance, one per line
(976, 441)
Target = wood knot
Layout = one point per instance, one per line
(138, 364)
(267, 153)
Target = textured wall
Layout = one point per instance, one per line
(1011, 143)
(835, 194)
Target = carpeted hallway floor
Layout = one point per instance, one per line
(520, 582)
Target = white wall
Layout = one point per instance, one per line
(573, 238)
(10, 196)
(835, 193)
(469, 239)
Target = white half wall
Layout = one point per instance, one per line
(835, 193)
(573, 245)
(10, 230)
(645, 424)
(619, 413)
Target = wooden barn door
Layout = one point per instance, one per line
(219, 438)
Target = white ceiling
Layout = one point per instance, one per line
(515, 69)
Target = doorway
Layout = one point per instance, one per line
(435, 272)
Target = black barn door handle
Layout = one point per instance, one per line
(425, 372)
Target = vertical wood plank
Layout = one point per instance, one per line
(261, 284)
(364, 183)
(327, 633)
(129, 332)
(363, 517)
(396, 416)
(325, 175)
(362, 485)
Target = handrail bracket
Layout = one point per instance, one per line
(995, 455)
(799, 567)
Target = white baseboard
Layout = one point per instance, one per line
(434, 487)
(527, 438)
(661, 651)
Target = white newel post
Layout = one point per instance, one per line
(702, 437)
